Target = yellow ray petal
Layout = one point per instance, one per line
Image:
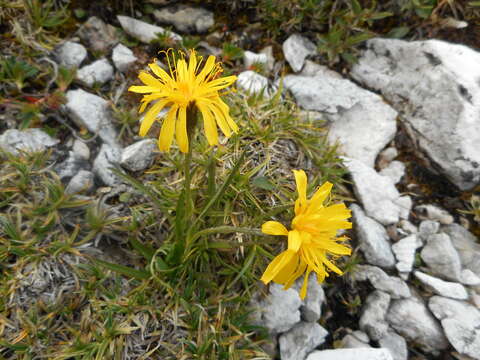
(209, 125)
(301, 180)
(162, 74)
(320, 196)
(181, 130)
(142, 89)
(150, 116)
(303, 290)
(288, 270)
(294, 240)
(149, 80)
(220, 119)
(298, 272)
(168, 129)
(276, 265)
(225, 111)
(274, 228)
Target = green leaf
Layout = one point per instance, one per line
(474, 3)
(356, 39)
(146, 251)
(398, 32)
(124, 270)
(356, 7)
(262, 182)
(380, 15)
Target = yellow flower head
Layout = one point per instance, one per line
(183, 86)
(312, 242)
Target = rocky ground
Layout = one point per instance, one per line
(406, 120)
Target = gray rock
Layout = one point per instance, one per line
(82, 181)
(311, 69)
(407, 227)
(434, 85)
(396, 344)
(411, 319)
(351, 354)
(461, 323)
(108, 158)
(396, 287)
(361, 121)
(185, 18)
(251, 58)
(441, 257)
(373, 239)
(98, 36)
(30, 140)
(404, 251)
(143, 31)
(468, 277)
(427, 228)
(357, 339)
(253, 82)
(71, 54)
(268, 52)
(71, 166)
(466, 245)
(98, 72)
(443, 288)
(395, 171)
(139, 155)
(296, 49)
(372, 319)
(311, 308)
(92, 112)
(279, 311)
(386, 157)
(433, 212)
(123, 57)
(81, 149)
(299, 341)
(380, 199)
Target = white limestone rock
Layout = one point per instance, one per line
(143, 31)
(81, 149)
(360, 121)
(139, 155)
(357, 339)
(427, 228)
(394, 286)
(71, 54)
(434, 84)
(98, 36)
(250, 58)
(279, 311)
(461, 323)
(187, 19)
(92, 112)
(107, 158)
(444, 288)
(441, 257)
(253, 82)
(351, 354)
(380, 199)
(468, 277)
(123, 57)
(395, 171)
(373, 238)
(433, 212)
(82, 181)
(299, 341)
(386, 157)
(372, 319)
(98, 72)
(311, 308)
(411, 319)
(396, 344)
(296, 49)
(30, 140)
(467, 246)
(404, 251)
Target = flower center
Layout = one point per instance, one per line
(186, 90)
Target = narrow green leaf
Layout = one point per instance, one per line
(398, 32)
(262, 182)
(146, 251)
(124, 270)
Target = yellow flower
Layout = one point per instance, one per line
(185, 85)
(312, 242)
